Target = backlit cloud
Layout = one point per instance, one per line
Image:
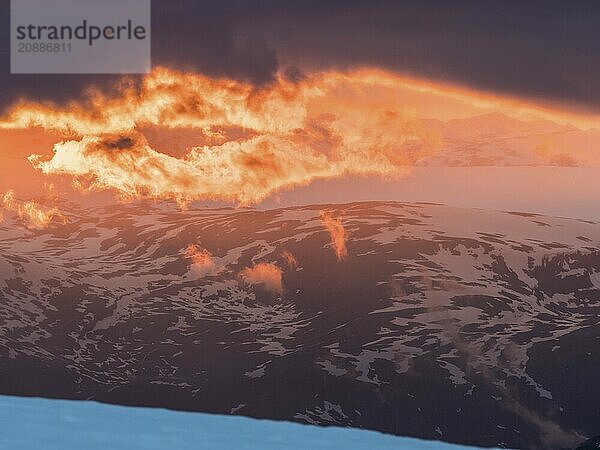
(254, 142)
(202, 260)
(267, 275)
(31, 213)
(338, 234)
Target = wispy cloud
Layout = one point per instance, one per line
(32, 213)
(337, 232)
(202, 260)
(267, 275)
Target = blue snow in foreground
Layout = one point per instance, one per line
(35, 423)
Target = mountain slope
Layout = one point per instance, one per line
(468, 326)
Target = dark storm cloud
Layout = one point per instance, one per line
(202, 36)
(546, 49)
(39, 86)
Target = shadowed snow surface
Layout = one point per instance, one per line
(66, 424)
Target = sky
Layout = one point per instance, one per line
(252, 103)
(544, 50)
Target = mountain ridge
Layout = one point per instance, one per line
(440, 322)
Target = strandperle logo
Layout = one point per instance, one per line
(80, 36)
(85, 32)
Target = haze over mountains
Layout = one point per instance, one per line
(492, 139)
(496, 139)
(489, 161)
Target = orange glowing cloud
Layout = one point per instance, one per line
(256, 141)
(447, 101)
(338, 234)
(267, 275)
(251, 142)
(191, 100)
(289, 259)
(32, 213)
(201, 259)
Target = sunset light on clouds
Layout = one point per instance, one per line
(339, 213)
(252, 142)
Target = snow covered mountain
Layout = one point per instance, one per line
(496, 139)
(469, 326)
